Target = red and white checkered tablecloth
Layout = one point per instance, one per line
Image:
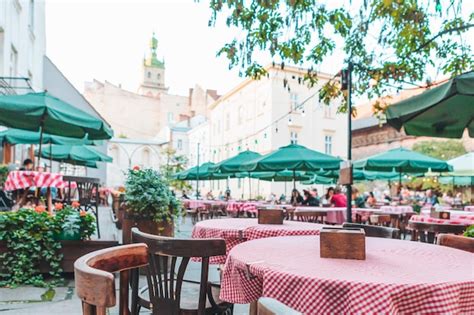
(396, 209)
(235, 231)
(468, 220)
(390, 281)
(25, 179)
(242, 206)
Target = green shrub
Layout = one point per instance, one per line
(31, 238)
(148, 195)
(470, 231)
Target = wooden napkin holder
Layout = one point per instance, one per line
(270, 216)
(440, 215)
(343, 243)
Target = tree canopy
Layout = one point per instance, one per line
(443, 150)
(390, 43)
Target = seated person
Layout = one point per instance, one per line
(184, 195)
(296, 198)
(327, 198)
(27, 165)
(209, 195)
(371, 201)
(357, 199)
(309, 199)
(431, 198)
(339, 199)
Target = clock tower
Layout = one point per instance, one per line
(153, 74)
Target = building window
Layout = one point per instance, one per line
(148, 74)
(13, 62)
(31, 12)
(293, 137)
(227, 121)
(158, 76)
(328, 144)
(180, 144)
(241, 114)
(170, 117)
(328, 112)
(294, 101)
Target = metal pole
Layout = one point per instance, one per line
(349, 139)
(197, 173)
(294, 179)
(250, 188)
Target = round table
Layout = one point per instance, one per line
(396, 277)
(454, 220)
(238, 230)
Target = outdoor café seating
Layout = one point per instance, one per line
(167, 291)
(95, 282)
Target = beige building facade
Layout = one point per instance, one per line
(263, 115)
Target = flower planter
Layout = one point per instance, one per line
(71, 250)
(147, 225)
(63, 236)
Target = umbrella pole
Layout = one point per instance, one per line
(40, 144)
(294, 179)
(250, 188)
(50, 157)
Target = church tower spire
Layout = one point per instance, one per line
(153, 78)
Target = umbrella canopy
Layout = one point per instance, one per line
(18, 136)
(457, 180)
(203, 172)
(402, 161)
(292, 157)
(233, 164)
(48, 114)
(362, 175)
(444, 111)
(282, 176)
(320, 180)
(74, 154)
(463, 165)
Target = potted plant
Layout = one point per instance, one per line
(149, 204)
(74, 225)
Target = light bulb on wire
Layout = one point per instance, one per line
(290, 122)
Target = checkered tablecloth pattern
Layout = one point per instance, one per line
(235, 231)
(459, 220)
(242, 206)
(25, 179)
(469, 208)
(389, 281)
(396, 209)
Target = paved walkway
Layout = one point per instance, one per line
(63, 300)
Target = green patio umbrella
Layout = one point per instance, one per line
(18, 136)
(463, 171)
(402, 161)
(282, 176)
(202, 172)
(44, 113)
(294, 158)
(362, 175)
(233, 164)
(74, 154)
(443, 111)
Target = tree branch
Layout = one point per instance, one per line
(449, 31)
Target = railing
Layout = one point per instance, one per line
(14, 85)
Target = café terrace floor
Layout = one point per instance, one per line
(63, 300)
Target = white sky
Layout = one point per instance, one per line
(107, 40)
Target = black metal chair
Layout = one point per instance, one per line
(88, 195)
(168, 292)
(375, 231)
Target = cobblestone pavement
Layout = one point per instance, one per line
(63, 300)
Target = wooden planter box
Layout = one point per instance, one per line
(71, 251)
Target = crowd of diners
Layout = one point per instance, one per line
(336, 197)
